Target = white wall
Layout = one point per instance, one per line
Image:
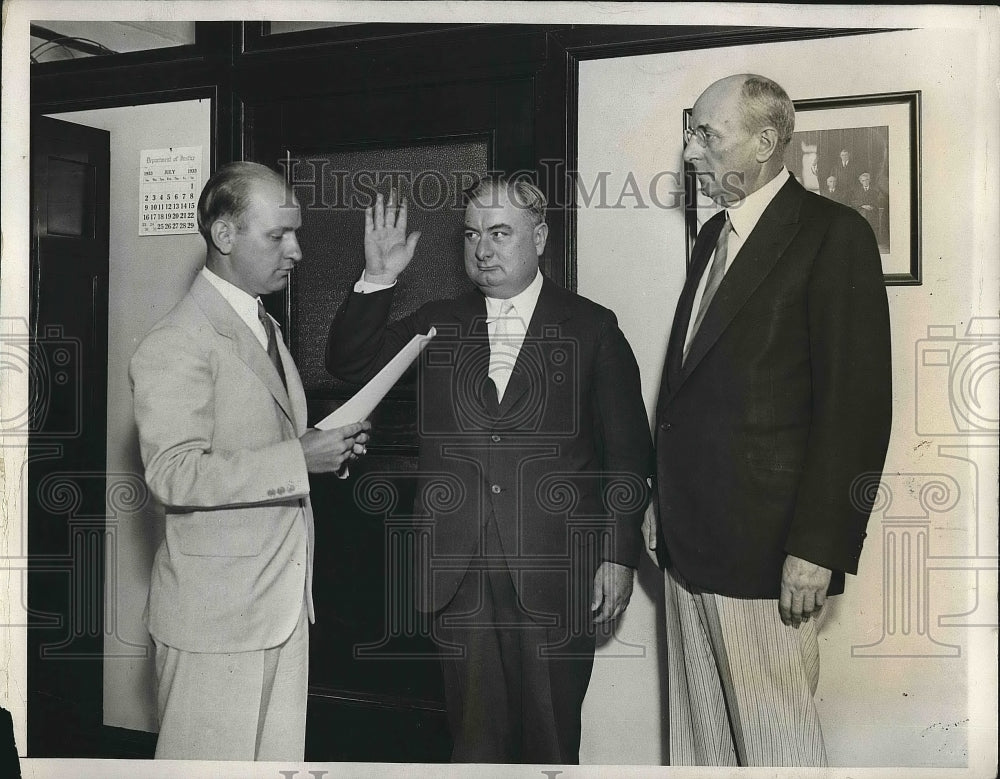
(148, 275)
(918, 710)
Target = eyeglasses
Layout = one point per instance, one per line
(704, 138)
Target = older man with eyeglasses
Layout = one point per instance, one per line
(774, 410)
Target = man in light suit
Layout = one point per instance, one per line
(222, 430)
(534, 453)
(771, 430)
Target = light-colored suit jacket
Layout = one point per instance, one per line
(218, 434)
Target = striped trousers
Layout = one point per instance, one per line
(741, 683)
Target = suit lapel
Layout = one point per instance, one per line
(704, 243)
(549, 310)
(472, 347)
(759, 254)
(245, 346)
(295, 392)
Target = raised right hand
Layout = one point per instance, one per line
(326, 451)
(388, 250)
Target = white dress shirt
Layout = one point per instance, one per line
(243, 304)
(743, 216)
(517, 326)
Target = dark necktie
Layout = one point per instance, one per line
(272, 344)
(716, 272)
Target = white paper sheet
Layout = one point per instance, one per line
(364, 402)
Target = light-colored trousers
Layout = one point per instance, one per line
(235, 706)
(741, 683)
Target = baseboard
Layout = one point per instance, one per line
(340, 727)
(125, 744)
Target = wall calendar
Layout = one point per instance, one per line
(169, 186)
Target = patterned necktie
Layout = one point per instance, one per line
(272, 344)
(503, 353)
(715, 274)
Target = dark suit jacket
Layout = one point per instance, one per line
(560, 465)
(783, 402)
(837, 197)
(872, 197)
(10, 765)
(847, 178)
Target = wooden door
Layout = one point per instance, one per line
(67, 356)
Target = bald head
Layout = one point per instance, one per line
(742, 124)
(229, 191)
(761, 103)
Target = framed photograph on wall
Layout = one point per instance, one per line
(862, 151)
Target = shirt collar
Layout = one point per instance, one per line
(242, 302)
(524, 302)
(744, 214)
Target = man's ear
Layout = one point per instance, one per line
(767, 144)
(222, 235)
(541, 234)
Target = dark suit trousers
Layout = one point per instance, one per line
(514, 687)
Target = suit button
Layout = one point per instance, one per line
(281, 490)
(665, 426)
(270, 493)
(496, 489)
(495, 438)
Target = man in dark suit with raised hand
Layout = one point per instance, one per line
(530, 407)
(773, 418)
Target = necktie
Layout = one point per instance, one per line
(272, 344)
(715, 274)
(503, 350)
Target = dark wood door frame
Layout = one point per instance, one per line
(67, 483)
(237, 65)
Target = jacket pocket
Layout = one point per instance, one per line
(217, 534)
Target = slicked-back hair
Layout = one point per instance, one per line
(766, 104)
(519, 190)
(227, 193)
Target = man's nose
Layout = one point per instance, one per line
(691, 149)
(292, 249)
(484, 248)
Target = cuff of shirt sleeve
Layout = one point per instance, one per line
(364, 287)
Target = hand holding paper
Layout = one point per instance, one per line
(327, 451)
(364, 402)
